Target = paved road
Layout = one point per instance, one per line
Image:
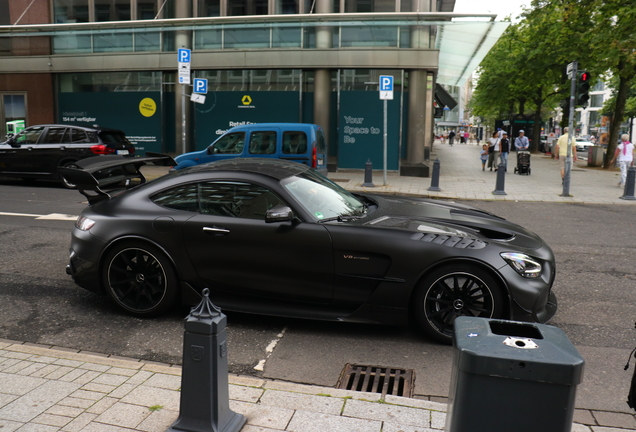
(594, 284)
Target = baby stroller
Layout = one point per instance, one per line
(523, 163)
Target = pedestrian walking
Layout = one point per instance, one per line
(625, 154)
(521, 142)
(483, 156)
(466, 136)
(451, 137)
(493, 150)
(562, 151)
(504, 149)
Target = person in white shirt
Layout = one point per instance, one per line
(625, 154)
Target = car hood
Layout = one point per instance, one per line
(440, 218)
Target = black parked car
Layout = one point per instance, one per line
(38, 151)
(274, 237)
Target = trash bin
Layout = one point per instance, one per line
(512, 376)
(595, 156)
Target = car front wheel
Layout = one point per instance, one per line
(140, 279)
(453, 291)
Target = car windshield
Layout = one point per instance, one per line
(321, 197)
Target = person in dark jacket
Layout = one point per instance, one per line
(451, 137)
(504, 150)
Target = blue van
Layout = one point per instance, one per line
(298, 142)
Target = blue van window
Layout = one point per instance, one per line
(230, 144)
(294, 142)
(263, 142)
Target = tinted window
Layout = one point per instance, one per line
(263, 142)
(294, 142)
(29, 136)
(54, 135)
(322, 145)
(232, 199)
(230, 144)
(112, 137)
(79, 136)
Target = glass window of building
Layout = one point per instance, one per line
(599, 86)
(12, 109)
(246, 7)
(209, 8)
(596, 101)
(284, 7)
(70, 11)
(310, 6)
(112, 10)
(369, 6)
(593, 118)
(146, 9)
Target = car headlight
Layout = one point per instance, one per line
(83, 223)
(523, 264)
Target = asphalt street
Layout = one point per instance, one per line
(592, 243)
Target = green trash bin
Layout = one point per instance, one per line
(512, 376)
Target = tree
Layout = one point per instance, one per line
(614, 43)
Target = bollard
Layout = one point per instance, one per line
(205, 399)
(435, 177)
(628, 192)
(368, 174)
(501, 180)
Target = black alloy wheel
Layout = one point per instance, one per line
(66, 183)
(454, 291)
(140, 279)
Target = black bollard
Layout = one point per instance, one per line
(435, 177)
(501, 180)
(628, 192)
(368, 174)
(205, 398)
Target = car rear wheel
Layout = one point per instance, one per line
(453, 291)
(66, 183)
(140, 279)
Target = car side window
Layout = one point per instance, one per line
(294, 142)
(236, 199)
(263, 142)
(222, 198)
(230, 144)
(54, 135)
(79, 136)
(29, 136)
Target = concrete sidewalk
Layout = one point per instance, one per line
(50, 389)
(461, 177)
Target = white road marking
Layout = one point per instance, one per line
(269, 350)
(51, 216)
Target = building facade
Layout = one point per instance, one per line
(114, 63)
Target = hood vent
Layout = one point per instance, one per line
(450, 241)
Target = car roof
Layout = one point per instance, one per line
(275, 168)
(276, 125)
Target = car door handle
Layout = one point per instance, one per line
(216, 230)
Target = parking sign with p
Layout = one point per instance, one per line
(386, 87)
(200, 86)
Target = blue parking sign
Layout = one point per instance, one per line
(200, 86)
(386, 83)
(184, 55)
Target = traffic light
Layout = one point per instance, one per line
(582, 88)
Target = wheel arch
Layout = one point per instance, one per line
(64, 161)
(119, 240)
(468, 261)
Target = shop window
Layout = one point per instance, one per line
(112, 10)
(12, 113)
(284, 7)
(70, 11)
(146, 9)
(209, 8)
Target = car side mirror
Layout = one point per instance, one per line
(279, 213)
(210, 150)
(12, 142)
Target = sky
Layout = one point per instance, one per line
(502, 8)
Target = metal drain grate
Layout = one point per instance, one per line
(376, 379)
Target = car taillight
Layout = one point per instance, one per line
(101, 149)
(314, 158)
(131, 149)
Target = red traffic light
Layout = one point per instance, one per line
(585, 76)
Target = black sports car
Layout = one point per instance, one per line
(274, 237)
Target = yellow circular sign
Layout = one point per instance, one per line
(147, 107)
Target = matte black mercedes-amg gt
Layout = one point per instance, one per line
(274, 237)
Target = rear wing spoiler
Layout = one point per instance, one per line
(102, 177)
